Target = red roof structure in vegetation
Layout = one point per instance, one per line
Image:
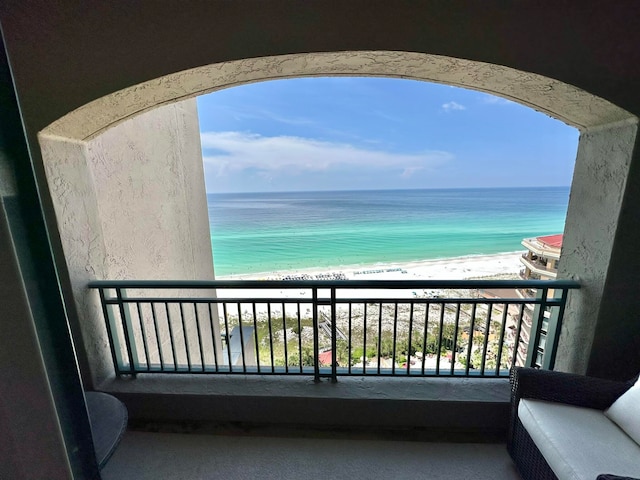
(325, 358)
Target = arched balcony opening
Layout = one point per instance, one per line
(98, 145)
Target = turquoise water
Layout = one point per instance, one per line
(264, 232)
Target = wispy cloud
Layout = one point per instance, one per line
(493, 100)
(284, 119)
(232, 152)
(242, 114)
(452, 106)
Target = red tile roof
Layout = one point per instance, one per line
(325, 358)
(552, 240)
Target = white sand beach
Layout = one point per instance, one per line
(459, 268)
(500, 266)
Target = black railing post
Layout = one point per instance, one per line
(334, 343)
(113, 340)
(244, 362)
(124, 317)
(470, 339)
(184, 336)
(197, 318)
(516, 347)
(227, 334)
(213, 336)
(395, 339)
(144, 337)
(485, 346)
(455, 339)
(349, 338)
(157, 334)
(554, 328)
(172, 341)
(364, 339)
(284, 339)
(409, 340)
(440, 332)
(255, 336)
(427, 307)
(316, 353)
(503, 328)
(537, 319)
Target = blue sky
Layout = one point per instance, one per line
(354, 133)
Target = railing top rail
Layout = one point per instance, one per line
(344, 284)
(338, 300)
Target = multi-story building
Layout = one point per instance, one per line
(540, 262)
(541, 258)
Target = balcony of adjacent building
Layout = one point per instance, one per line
(537, 268)
(541, 258)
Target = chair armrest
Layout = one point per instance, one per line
(608, 476)
(578, 390)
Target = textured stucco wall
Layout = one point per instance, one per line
(560, 100)
(131, 204)
(149, 185)
(615, 351)
(73, 194)
(597, 193)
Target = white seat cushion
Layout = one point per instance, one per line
(579, 443)
(626, 412)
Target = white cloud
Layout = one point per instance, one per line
(241, 114)
(451, 106)
(493, 100)
(231, 152)
(409, 171)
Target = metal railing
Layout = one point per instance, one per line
(331, 328)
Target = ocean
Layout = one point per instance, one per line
(266, 232)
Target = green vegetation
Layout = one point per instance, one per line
(292, 337)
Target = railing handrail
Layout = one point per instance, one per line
(346, 284)
(338, 300)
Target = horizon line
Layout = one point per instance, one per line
(389, 189)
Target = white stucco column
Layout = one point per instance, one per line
(597, 194)
(131, 204)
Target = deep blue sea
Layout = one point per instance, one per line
(265, 232)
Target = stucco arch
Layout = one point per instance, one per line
(557, 99)
(605, 152)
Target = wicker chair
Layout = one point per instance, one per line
(552, 386)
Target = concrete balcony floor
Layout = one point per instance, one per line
(236, 455)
